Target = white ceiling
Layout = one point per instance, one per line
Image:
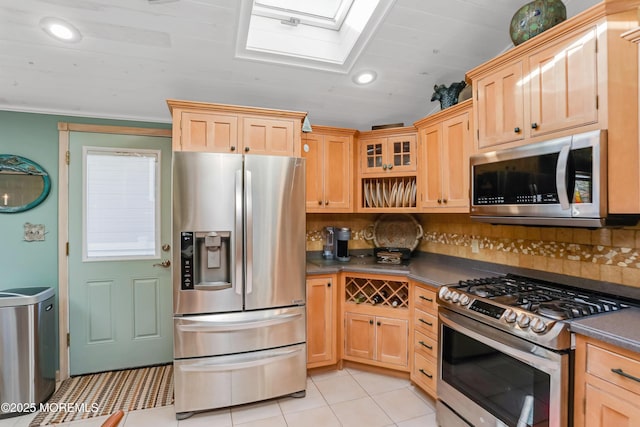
(135, 55)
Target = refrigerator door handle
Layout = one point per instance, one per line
(258, 360)
(238, 233)
(248, 232)
(198, 326)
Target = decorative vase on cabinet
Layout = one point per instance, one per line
(535, 17)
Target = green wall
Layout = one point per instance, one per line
(35, 136)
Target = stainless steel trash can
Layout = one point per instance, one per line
(27, 348)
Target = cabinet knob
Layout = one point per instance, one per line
(378, 323)
(326, 202)
(328, 284)
(320, 202)
(246, 149)
(371, 322)
(516, 130)
(444, 201)
(439, 201)
(384, 167)
(390, 166)
(233, 148)
(534, 126)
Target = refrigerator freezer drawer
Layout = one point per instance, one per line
(220, 381)
(220, 334)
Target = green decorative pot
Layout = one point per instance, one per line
(534, 18)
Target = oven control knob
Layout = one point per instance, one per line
(537, 325)
(464, 300)
(445, 293)
(523, 320)
(455, 297)
(510, 316)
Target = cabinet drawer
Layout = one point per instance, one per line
(426, 323)
(602, 363)
(425, 300)
(425, 345)
(425, 372)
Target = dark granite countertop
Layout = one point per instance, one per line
(618, 328)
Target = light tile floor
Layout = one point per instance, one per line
(349, 397)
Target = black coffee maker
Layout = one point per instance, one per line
(342, 237)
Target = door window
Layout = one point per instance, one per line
(121, 204)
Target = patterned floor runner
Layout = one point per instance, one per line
(95, 395)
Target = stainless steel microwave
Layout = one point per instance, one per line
(560, 182)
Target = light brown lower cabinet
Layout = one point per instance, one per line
(375, 319)
(424, 332)
(607, 385)
(321, 321)
(376, 339)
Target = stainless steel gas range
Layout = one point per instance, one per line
(505, 350)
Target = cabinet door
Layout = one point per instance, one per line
(359, 336)
(603, 409)
(401, 153)
(314, 155)
(321, 325)
(372, 155)
(500, 106)
(392, 337)
(337, 173)
(431, 157)
(563, 84)
(208, 132)
(455, 162)
(268, 136)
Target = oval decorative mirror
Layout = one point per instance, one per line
(23, 184)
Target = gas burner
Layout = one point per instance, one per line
(536, 296)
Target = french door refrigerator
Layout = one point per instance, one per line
(238, 279)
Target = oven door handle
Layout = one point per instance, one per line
(532, 354)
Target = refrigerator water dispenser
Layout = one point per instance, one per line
(205, 260)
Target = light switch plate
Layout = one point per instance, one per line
(33, 232)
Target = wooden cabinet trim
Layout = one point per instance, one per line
(237, 109)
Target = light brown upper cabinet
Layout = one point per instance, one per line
(563, 84)
(221, 128)
(329, 154)
(578, 76)
(387, 151)
(444, 148)
(500, 105)
(387, 170)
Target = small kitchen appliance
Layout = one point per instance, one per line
(505, 350)
(559, 182)
(343, 235)
(328, 248)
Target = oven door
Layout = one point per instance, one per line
(491, 378)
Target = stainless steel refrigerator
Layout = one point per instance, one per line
(238, 279)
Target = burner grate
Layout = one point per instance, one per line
(544, 298)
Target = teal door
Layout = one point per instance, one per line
(120, 311)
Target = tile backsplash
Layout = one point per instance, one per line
(610, 254)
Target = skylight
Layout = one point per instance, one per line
(322, 34)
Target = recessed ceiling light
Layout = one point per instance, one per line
(60, 29)
(365, 77)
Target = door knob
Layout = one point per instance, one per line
(165, 264)
(166, 247)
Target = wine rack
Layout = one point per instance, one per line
(379, 292)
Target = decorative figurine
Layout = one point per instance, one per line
(447, 96)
